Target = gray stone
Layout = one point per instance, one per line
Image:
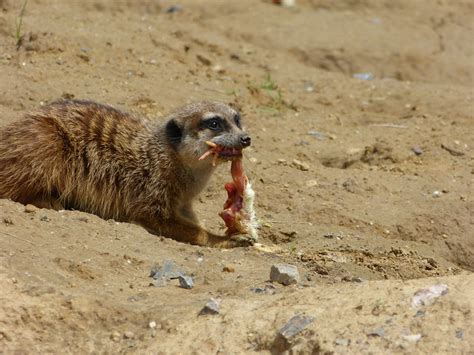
(378, 332)
(169, 270)
(295, 326)
(211, 307)
(186, 282)
(285, 274)
(342, 341)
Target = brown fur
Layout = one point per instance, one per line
(94, 158)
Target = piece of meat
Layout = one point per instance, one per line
(235, 217)
(232, 214)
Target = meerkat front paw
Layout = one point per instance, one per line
(242, 240)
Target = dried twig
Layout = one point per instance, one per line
(14, 236)
(388, 125)
(452, 151)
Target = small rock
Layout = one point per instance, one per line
(30, 208)
(300, 165)
(203, 60)
(311, 183)
(7, 220)
(161, 282)
(412, 337)
(128, 335)
(426, 296)
(318, 135)
(84, 57)
(460, 334)
(295, 326)
(420, 313)
(436, 194)
(115, 336)
(270, 289)
(432, 262)
(218, 69)
(341, 341)
(228, 269)
(169, 271)
(417, 150)
(285, 3)
(285, 274)
(211, 307)
(44, 219)
(152, 324)
(174, 8)
(353, 279)
(349, 185)
(308, 86)
(363, 76)
(186, 282)
(379, 332)
(282, 162)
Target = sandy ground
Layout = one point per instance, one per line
(365, 185)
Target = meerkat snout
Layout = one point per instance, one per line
(245, 141)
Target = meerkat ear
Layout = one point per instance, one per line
(174, 132)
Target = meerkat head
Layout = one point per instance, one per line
(192, 129)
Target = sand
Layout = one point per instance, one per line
(365, 185)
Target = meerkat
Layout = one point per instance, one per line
(94, 158)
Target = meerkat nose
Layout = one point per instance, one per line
(245, 141)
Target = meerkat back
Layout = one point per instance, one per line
(69, 153)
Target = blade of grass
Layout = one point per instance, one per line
(19, 23)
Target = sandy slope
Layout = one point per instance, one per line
(366, 206)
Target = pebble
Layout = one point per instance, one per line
(203, 60)
(152, 324)
(266, 289)
(211, 307)
(169, 270)
(311, 183)
(417, 150)
(341, 341)
(412, 337)
(228, 269)
(353, 279)
(30, 208)
(285, 274)
(318, 135)
(295, 326)
(186, 282)
(426, 296)
(460, 334)
(300, 165)
(436, 194)
(115, 336)
(128, 335)
(285, 3)
(379, 332)
(363, 76)
(173, 9)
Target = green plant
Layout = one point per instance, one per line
(19, 23)
(274, 101)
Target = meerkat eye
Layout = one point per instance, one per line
(237, 120)
(214, 124)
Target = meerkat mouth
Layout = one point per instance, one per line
(220, 151)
